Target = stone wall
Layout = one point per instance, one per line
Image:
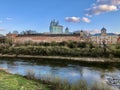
(45, 38)
(60, 38)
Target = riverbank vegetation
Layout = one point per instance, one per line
(56, 83)
(29, 82)
(17, 82)
(72, 49)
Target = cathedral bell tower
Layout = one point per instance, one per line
(103, 32)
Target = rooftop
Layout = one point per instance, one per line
(109, 34)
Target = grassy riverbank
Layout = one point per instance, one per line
(17, 82)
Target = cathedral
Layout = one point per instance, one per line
(55, 28)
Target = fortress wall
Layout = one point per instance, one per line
(61, 38)
(23, 39)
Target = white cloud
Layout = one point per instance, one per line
(85, 19)
(77, 19)
(96, 10)
(73, 19)
(9, 19)
(107, 7)
(103, 6)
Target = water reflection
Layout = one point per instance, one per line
(67, 71)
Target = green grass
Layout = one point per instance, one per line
(17, 82)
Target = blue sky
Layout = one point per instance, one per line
(89, 15)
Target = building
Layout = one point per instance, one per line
(55, 28)
(56, 34)
(104, 37)
(67, 30)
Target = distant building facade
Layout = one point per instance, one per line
(55, 28)
(104, 37)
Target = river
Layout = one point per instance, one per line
(66, 70)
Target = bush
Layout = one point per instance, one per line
(74, 49)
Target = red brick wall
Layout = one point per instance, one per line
(22, 39)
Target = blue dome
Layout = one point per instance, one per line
(103, 29)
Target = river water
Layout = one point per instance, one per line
(70, 71)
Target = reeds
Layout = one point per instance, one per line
(56, 83)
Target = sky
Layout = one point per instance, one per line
(90, 15)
